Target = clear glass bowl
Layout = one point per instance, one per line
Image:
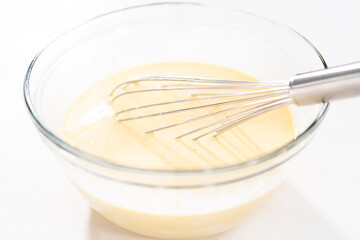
(169, 204)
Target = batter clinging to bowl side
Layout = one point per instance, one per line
(91, 126)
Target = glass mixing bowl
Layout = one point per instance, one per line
(169, 204)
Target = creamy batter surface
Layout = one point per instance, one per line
(92, 127)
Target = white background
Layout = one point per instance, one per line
(320, 200)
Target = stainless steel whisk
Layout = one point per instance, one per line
(252, 98)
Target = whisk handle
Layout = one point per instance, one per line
(326, 85)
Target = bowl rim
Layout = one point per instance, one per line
(208, 171)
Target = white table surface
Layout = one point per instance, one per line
(320, 200)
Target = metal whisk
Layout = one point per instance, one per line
(250, 98)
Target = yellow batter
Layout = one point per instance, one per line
(92, 127)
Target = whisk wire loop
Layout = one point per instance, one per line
(252, 98)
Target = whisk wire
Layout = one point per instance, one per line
(211, 114)
(248, 114)
(233, 94)
(259, 98)
(192, 108)
(200, 80)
